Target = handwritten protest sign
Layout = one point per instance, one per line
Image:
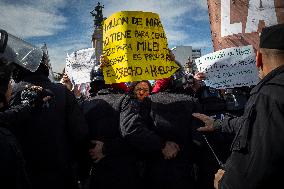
(228, 68)
(79, 65)
(136, 45)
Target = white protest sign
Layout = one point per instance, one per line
(228, 68)
(79, 65)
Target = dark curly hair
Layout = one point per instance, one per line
(133, 85)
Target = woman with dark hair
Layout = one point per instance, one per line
(141, 89)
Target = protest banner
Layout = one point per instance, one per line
(136, 46)
(79, 65)
(229, 68)
(239, 22)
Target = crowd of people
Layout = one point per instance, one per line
(175, 134)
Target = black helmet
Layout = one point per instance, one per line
(18, 51)
(96, 74)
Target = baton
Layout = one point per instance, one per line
(213, 152)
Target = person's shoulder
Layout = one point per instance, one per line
(173, 96)
(273, 90)
(173, 99)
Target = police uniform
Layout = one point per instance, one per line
(117, 169)
(12, 165)
(54, 138)
(257, 150)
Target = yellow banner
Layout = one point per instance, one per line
(136, 46)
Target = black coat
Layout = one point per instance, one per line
(12, 164)
(118, 168)
(136, 126)
(257, 150)
(15, 114)
(168, 117)
(172, 116)
(53, 138)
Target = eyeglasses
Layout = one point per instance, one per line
(142, 89)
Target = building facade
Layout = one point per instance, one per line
(186, 55)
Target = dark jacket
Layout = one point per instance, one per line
(52, 140)
(171, 114)
(257, 150)
(118, 168)
(12, 164)
(14, 114)
(136, 126)
(168, 118)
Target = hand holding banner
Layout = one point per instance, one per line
(136, 46)
(229, 68)
(79, 65)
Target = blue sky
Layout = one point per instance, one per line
(67, 25)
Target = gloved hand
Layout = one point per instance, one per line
(35, 96)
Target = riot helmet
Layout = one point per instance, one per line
(20, 52)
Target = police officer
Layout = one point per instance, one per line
(12, 164)
(52, 140)
(257, 150)
(114, 164)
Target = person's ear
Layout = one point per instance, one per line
(259, 62)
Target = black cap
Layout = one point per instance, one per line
(272, 37)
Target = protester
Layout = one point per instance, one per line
(257, 150)
(166, 124)
(141, 89)
(54, 139)
(65, 80)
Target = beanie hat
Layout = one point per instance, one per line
(272, 37)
